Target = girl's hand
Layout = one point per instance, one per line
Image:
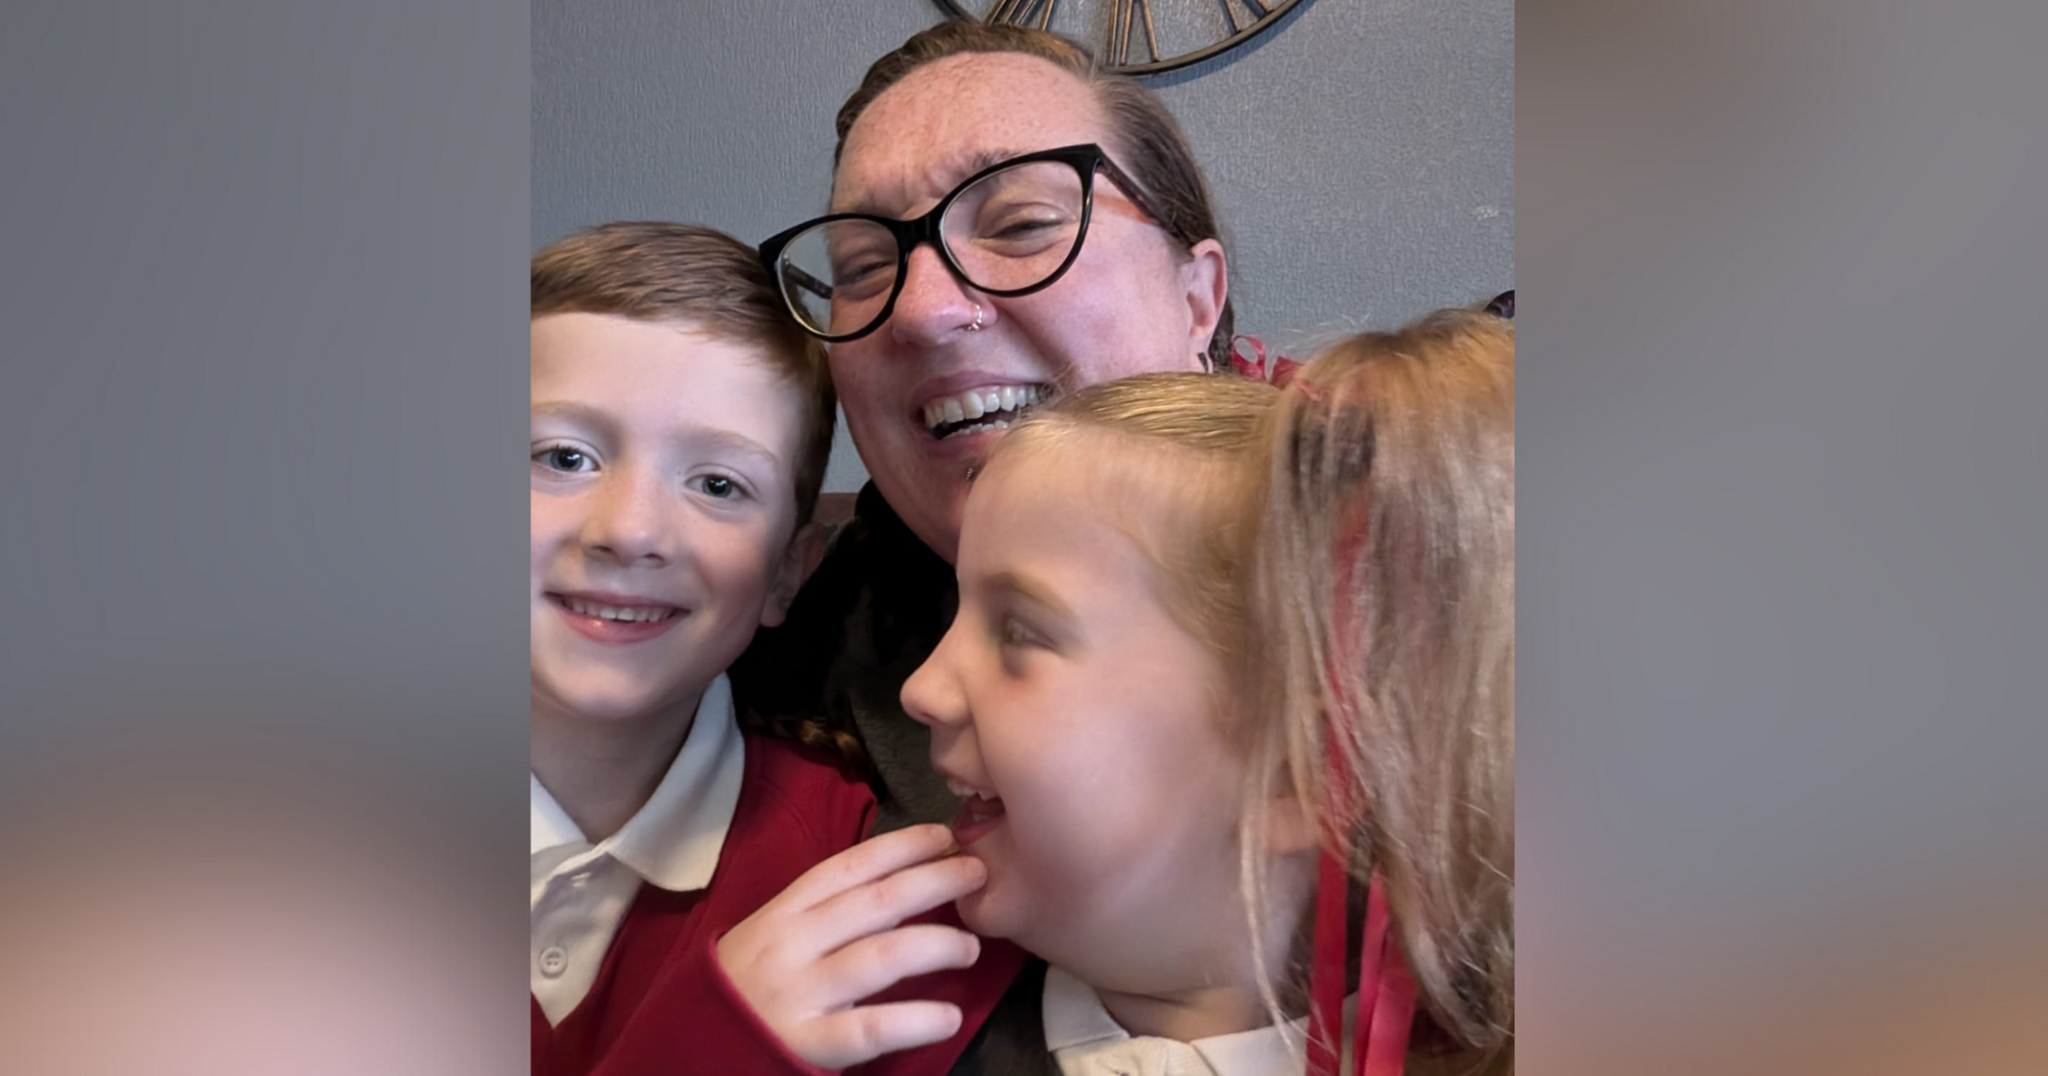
(805, 958)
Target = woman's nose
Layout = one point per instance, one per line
(935, 305)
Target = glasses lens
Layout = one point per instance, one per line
(1015, 228)
(838, 275)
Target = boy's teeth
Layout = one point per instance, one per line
(979, 403)
(633, 615)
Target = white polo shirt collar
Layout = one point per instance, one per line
(1086, 1040)
(674, 840)
(581, 892)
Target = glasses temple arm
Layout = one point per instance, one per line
(791, 275)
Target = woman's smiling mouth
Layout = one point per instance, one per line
(975, 410)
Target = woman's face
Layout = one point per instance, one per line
(1133, 302)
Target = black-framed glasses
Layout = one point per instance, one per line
(1010, 229)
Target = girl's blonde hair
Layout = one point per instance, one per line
(1195, 431)
(1345, 548)
(1381, 544)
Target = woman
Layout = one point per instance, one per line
(1126, 275)
(1008, 224)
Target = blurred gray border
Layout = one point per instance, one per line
(1781, 466)
(259, 547)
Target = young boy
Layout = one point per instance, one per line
(680, 426)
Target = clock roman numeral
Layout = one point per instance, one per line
(1121, 47)
(1121, 17)
(1258, 11)
(1018, 12)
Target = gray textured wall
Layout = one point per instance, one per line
(1362, 152)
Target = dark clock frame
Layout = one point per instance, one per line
(1044, 10)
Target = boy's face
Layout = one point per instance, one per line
(1066, 689)
(663, 510)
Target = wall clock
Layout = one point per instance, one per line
(1137, 37)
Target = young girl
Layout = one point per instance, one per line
(1232, 671)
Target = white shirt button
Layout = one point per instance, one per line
(553, 961)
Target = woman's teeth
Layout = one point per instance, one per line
(986, 408)
(629, 614)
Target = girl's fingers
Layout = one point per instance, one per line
(885, 902)
(862, 1034)
(867, 861)
(879, 961)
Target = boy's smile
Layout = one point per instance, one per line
(616, 618)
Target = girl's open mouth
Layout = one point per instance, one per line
(980, 812)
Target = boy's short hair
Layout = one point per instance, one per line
(661, 271)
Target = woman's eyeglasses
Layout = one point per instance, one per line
(1010, 229)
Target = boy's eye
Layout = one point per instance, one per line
(718, 486)
(563, 458)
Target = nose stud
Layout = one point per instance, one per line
(976, 327)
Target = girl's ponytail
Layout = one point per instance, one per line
(1382, 550)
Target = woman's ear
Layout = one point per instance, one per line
(806, 549)
(1205, 279)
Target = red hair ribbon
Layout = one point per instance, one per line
(1275, 370)
(1386, 989)
(1385, 986)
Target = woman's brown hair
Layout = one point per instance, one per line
(1382, 553)
(1144, 137)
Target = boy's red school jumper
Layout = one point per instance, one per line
(661, 1006)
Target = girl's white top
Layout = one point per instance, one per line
(1086, 1041)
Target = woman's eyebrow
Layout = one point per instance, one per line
(958, 166)
(988, 158)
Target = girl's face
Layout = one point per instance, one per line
(1066, 691)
